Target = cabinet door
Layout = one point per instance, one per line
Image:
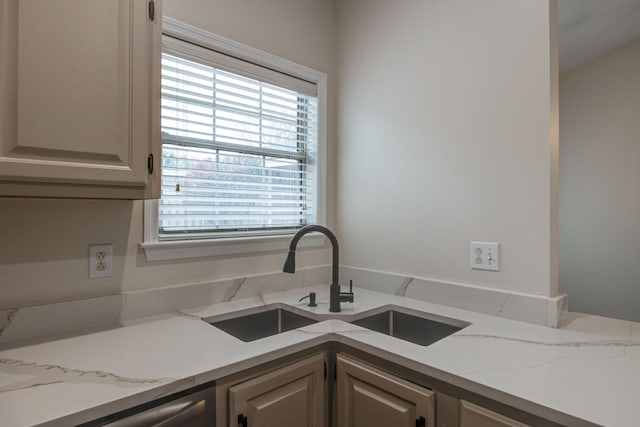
(369, 397)
(476, 416)
(79, 93)
(290, 396)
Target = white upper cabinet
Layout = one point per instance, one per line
(80, 98)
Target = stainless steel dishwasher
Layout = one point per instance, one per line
(190, 408)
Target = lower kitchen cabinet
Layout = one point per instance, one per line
(363, 391)
(368, 397)
(293, 395)
(476, 416)
(298, 391)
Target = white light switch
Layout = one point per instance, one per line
(485, 256)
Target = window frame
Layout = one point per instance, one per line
(156, 249)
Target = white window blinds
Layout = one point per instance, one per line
(238, 148)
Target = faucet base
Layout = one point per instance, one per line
(334, 298)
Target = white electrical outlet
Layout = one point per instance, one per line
(100, 260)
(485, 256)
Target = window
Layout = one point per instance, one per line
(242, 147)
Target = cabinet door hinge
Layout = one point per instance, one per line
(325, 371)
(421, 422)
(152, 10)
(242, 420)
(150, 164)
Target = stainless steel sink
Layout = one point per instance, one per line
(416, 327)
(251, 327)
(421, 330)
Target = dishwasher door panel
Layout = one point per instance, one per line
(185, 409)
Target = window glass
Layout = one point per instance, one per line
(238, 152)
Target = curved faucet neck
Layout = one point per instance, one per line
(334, 244)
(310, 229)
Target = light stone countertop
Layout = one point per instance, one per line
(588, 369)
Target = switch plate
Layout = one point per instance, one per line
(485, 256)
(100, 260)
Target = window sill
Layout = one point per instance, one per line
(172, 250)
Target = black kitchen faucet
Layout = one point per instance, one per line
(335, 296)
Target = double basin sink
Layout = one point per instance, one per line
(418, 328)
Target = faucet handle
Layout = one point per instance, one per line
(347, 296)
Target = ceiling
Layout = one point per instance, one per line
(590, 28)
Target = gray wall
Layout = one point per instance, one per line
(600, 184)
(44, 243)
(447, 133)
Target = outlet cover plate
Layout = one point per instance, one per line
(485, 256)
(100, 260)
